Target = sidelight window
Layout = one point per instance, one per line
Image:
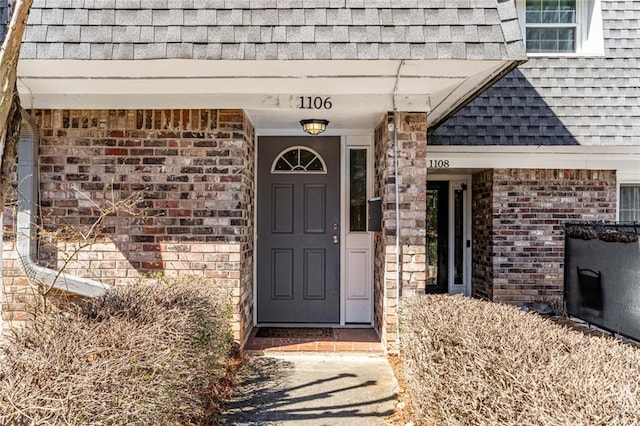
(358, 189)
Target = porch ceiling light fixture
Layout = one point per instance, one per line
(314, 126)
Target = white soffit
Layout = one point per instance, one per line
(270, 91)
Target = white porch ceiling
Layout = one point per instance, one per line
(270, 91)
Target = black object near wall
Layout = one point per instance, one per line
(375, 214)
(602, 275)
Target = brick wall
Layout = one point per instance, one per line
(482, 234)
(192, 173)
(529, 209)
(412, 182)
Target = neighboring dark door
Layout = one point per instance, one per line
(298, 229)
(437, 237)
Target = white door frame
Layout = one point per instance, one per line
(357, 250)
(455, 181)
(348, 139)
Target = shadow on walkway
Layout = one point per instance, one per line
(313, 389)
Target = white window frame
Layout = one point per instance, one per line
(625, 177)
(296, 171)
(589, 30)
(620, 186)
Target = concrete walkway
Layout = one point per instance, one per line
(313, 389)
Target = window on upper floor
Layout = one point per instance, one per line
(629, 203)
(561, 27)
(551, 26)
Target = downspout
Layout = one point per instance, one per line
(26, 236)
(1, 273)
(397, 204)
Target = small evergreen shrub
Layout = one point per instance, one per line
(146, 354)
(471, 362)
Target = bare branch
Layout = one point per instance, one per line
(81, 238)
(9, 55)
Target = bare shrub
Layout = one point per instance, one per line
(471, 362)
(145, 354)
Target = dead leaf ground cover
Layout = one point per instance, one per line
(153, 353)
(471, 362)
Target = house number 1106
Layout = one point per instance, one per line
(314, 102)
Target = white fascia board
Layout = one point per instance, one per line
(227, 85)
(280, 102)
(629, 176)
(449, 99)
(591, 157)
(270, 90)
(134, 69)
(189, 83)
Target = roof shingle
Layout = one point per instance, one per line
(247, 29)
(562, 100)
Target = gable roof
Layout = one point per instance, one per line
(562, 100)
(273, 29)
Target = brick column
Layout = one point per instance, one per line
(482, 219)
(412, 184)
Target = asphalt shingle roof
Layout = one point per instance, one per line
(273, 29)
(562, 101)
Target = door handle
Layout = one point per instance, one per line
(335, 239)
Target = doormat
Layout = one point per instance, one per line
(295, 333)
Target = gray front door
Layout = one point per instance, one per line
(298, 230)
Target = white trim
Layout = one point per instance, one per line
(270, 91)
(359, 139)
(467, 220)
(589, 33)
(629, 176)
(370, 190)
(294, 171)
(625, 177)
(562, 55)
(343, 232)
(538, 157)
(466, 223)
(363, 140)
(554, 149)
(625, 180)
(240, 69)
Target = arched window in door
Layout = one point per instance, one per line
(299, 159)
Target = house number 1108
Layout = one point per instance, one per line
(439, 164)
(314, 102)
